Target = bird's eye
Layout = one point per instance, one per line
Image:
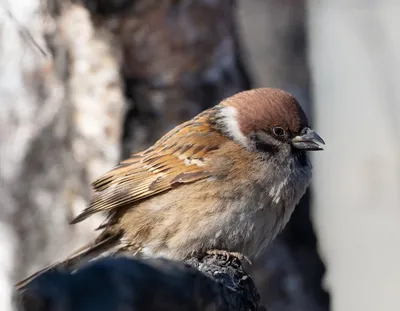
(278, 131)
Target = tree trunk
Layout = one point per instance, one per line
(61, 115)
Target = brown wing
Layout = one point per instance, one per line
(178, 157)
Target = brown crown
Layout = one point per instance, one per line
(264, 108)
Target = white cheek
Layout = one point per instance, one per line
(229, 115)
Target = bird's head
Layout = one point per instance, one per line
(268, 120)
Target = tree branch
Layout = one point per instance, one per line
(210, 282)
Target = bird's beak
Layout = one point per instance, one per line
(308, 140)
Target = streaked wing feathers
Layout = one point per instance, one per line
(178, 157)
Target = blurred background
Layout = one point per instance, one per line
(85, 83)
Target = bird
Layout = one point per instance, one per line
(228, 179)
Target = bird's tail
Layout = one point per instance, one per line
(86, 253)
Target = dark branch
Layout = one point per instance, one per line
(212, 282)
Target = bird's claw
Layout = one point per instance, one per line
(237, 255)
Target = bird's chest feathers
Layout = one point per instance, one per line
(285, 184)
(276, 192)
(261, 213)
(277, 189)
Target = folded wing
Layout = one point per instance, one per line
(181, 156)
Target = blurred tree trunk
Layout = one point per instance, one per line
(355, 58)
(61, 115)
(180, 57)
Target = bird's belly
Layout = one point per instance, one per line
(252, 226)
(245, 223)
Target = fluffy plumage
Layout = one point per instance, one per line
(227, 179)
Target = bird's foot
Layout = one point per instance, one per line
(237, 255)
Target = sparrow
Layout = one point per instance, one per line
(228, 179)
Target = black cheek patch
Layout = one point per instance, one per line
(264, 147)
(265, 143)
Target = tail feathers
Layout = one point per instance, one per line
(83, 254)
(22, 284)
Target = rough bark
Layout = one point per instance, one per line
(211, 282)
